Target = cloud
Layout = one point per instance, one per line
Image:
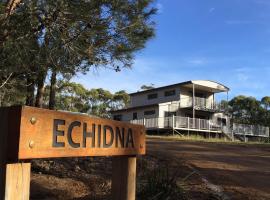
(211, 10)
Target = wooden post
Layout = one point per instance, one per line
(124, 178)
(17, 181)
(14, 178)
(3, 149)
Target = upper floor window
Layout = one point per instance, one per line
(152, 96)
(149, 112)
(169, 93)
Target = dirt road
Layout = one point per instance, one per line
(237, 171)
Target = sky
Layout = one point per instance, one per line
(227, 41)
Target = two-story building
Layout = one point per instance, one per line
(182, 107)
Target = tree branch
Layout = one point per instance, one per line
(5, 82)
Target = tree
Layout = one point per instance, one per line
(121, 100)
(147, 87)
(246, 110)
(265, 101)
(72, 37)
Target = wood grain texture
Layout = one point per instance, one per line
(124, 178)
(18, 181)
(31, 133)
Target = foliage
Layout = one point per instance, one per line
(249, 110)
(51, 38)
(147, 87)
(76, 98)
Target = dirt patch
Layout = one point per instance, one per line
(240, 171)
(90, 178)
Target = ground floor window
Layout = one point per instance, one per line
(149, 112)
(135, 116)
(117, 117)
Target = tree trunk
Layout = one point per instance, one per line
(30, 92)
(40, 89)
(52, 90)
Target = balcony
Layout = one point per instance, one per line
(201, 104)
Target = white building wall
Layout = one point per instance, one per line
(127, 115)
(141, 99)
(185, 98)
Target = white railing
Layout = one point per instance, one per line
(252, 130)
(196, 124)
(201, 103)
(178, 122)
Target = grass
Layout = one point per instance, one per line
(198, 138)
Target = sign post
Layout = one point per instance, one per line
(27, 133)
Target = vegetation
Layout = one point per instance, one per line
(51, 41)
(249, 110)
(74, 97)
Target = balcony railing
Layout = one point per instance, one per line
(253, 130)
(201, 104)
(178, 122)
(203, 125)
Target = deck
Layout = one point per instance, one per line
(201, 125)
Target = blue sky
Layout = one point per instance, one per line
(222, 40)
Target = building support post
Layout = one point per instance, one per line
(193, 100)
(188, 125)
(213, 103)
(173, 121)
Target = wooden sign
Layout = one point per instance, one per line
(41, 133)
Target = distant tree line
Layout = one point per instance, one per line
(75, 97)
(249, 110)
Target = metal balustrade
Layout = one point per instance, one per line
(253, 130)
(178, 122)
(196, 124)
(201, 104)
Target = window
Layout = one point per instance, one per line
(152, 96)
(222, 121)
(169, 93)
(135, 116)
(149, 112)
(117, 117)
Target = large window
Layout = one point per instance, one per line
(169, 93)
(152, 96)
(149, 112)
